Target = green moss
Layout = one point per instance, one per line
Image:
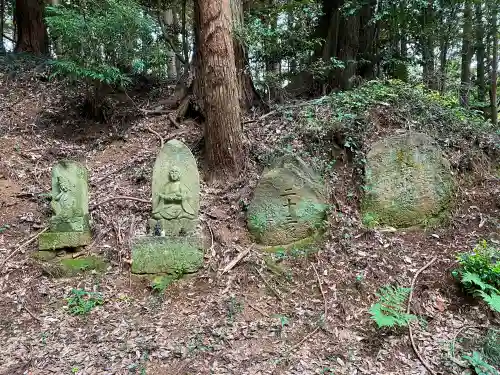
(304, 246)
(167, 255)
(410, 183)
(69, 267)
(61, 240)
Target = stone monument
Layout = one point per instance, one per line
(173, 244)
(408, 182)
(289, 204)
(69, 226)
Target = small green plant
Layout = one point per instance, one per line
(491, 345)
(160, 284)
(74, 370)
(489, 294)
(390, 310)
(480, 366)
(479, 273)
(81, 302)
(234, 307)
(4, 227)
(484, 261)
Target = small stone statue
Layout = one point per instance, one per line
(174, 201)
(63, 202)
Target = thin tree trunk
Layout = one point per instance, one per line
(225, 152)
(467, 52)
(31, 30)
(178, 66)
(2, 16)
(427, 44)
(480, 52)
(168, 19)
(494, 66)
(248, 95)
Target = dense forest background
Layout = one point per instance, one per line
(281, 50)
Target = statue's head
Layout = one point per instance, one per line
(63, 185)
(175, 174)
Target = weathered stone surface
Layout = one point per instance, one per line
(173, 245)
(289, 204)
(408, 182)
(67, 266)
(69, 226)
(171, 255)
(176, 191)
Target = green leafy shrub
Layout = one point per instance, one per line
(101, 42)
(489, 294)
(484, 261)
(81, 302)
(390, 310)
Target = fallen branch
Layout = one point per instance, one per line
(235, 261)
(275, 292)
(173, 120)
(325, 312)
(32, 315)
(258, 310)
(157, 134)
(120, 197)
(21, 246)
(413, 345)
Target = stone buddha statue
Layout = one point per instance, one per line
(174, 200)
(63, 203)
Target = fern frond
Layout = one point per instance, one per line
(390, 310)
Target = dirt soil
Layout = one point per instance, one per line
(311, 318)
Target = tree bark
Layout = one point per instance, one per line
(2, 16)
(31, 30)
(427, 45)
(467, 52)
(494, 66)
(248, 95)
(480, 52)
(225, 152)
(168, 19)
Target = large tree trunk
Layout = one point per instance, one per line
(248, 95)
(225, 150)
(31, 30)
(168, 19)
(494, 66)
(467, 53)
(480, 52)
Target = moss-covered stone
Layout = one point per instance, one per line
(61, 240)
(68, 266)
(289, 204)
(408, 182)
(166, 255)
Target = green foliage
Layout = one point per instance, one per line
(160, 284)
(81, 302)
(489, 294)
(390, 310)
(4, 227)
(480, 366)
(479, 273)
(491, 346)
(484, 261)
(100, 41)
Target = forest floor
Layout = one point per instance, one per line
(313, 319)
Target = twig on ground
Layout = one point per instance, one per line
(413, 345)
(157, 134)
(173, 120)
(120, 197)
(21, 246)
(258, 309)
(275, 292)
(235, 261)
(32, 315)
(325, 312)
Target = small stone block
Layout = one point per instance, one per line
(61, 240)
(170, 255)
